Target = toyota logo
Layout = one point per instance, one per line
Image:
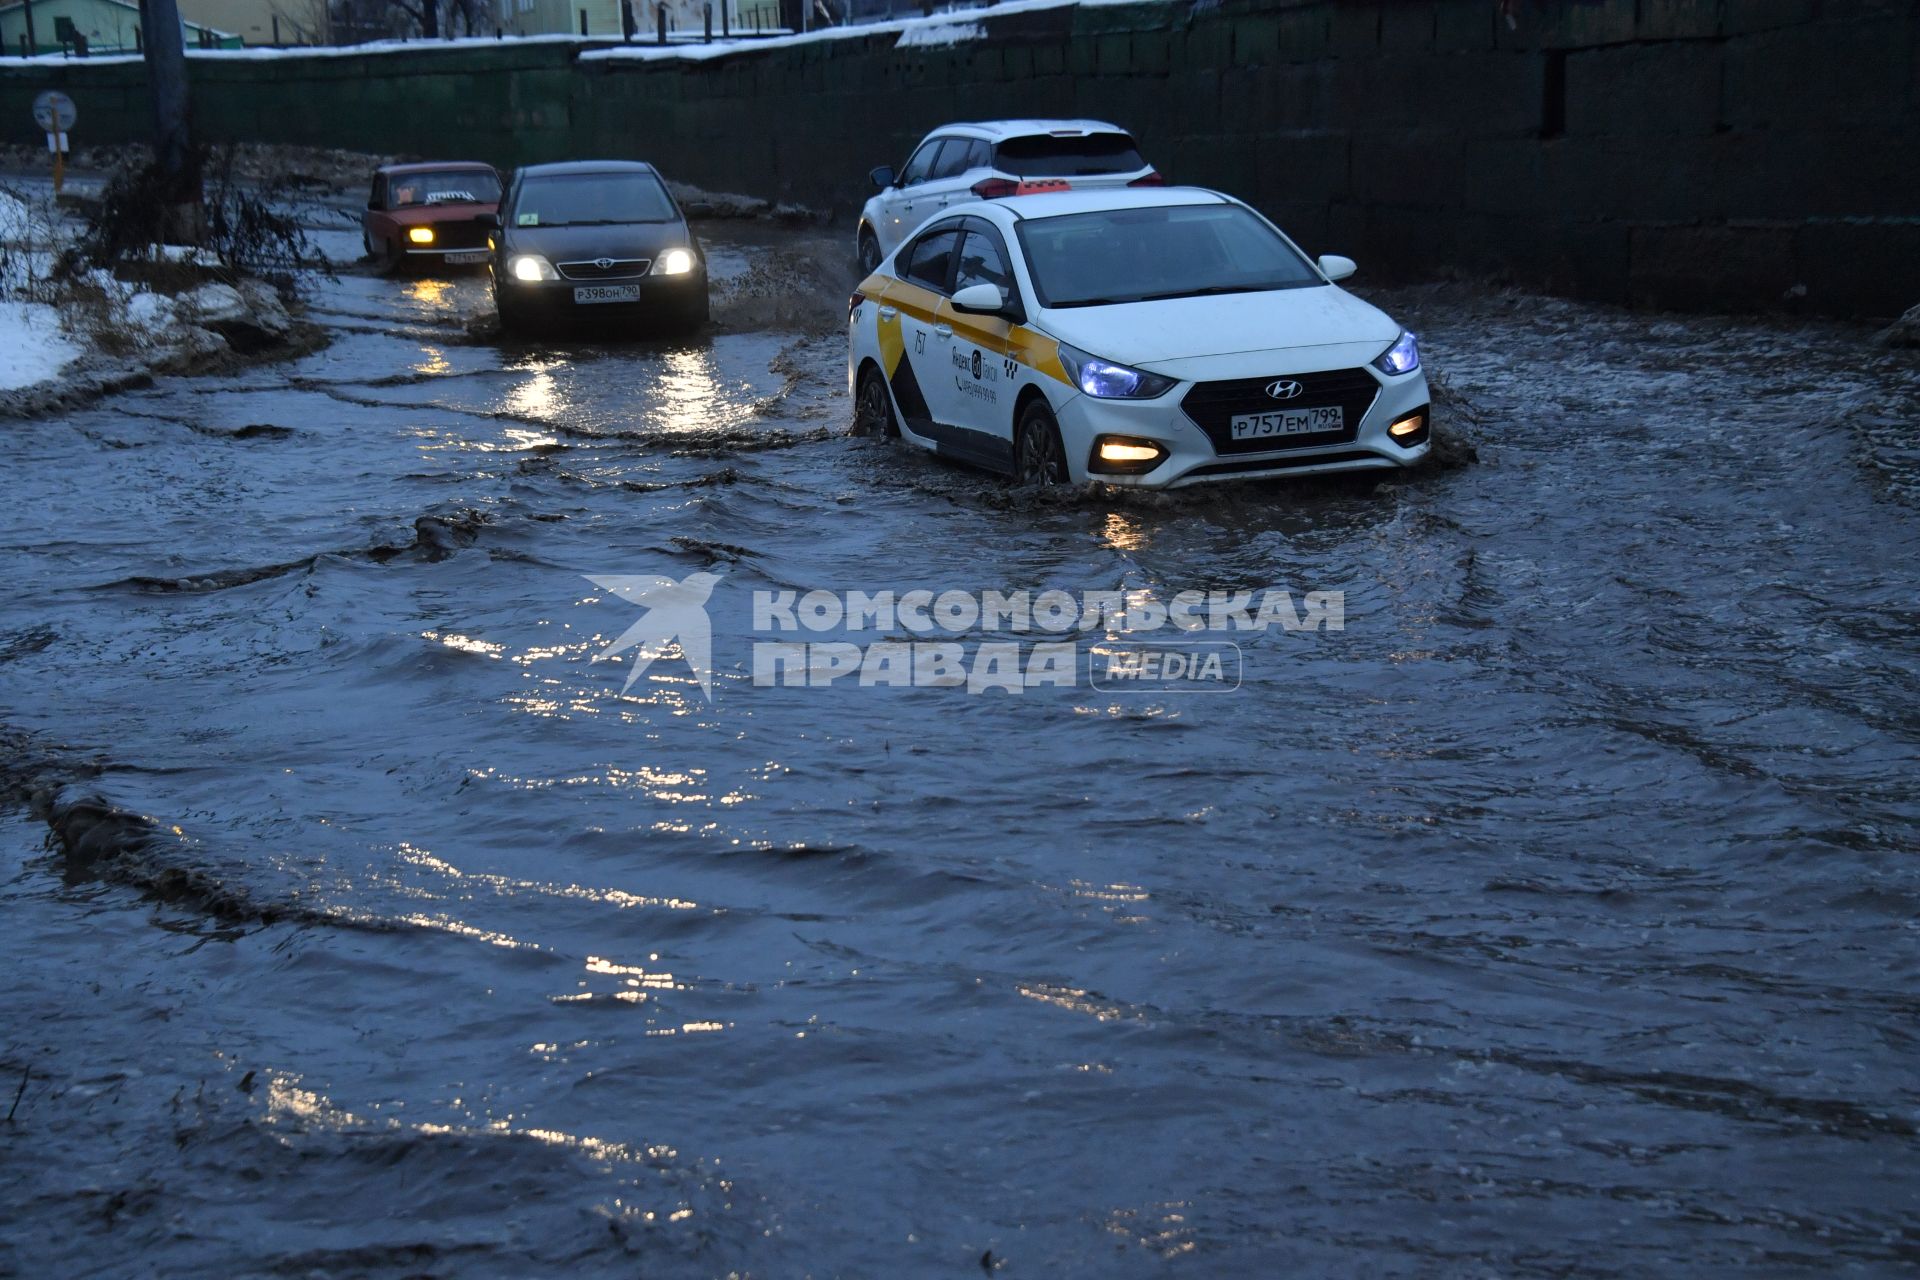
(1284, 389)
(605, 264)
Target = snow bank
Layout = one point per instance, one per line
(16, 220)
(97, 329)
(941, 30)
(28, 245)
(32, 346)
(940, 35)
(950, 28)
(265, 53)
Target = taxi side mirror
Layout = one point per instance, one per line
(981, 300)
(882, 177)
(1337, 267)
(490, 220)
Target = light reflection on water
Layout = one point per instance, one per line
(1124, 531)
(688, 390)
(537, 397)
(430, 295)
(432, 361)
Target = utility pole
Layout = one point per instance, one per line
(33, 45)
(172, 140)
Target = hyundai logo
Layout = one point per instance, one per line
(1284, 388)
(605, 264)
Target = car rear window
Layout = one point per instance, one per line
(592, 199)
(960, 155)
(1046, 155)
(455, 186)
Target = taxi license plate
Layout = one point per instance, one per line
(1287, 422)
(607, 293)
(462, 259)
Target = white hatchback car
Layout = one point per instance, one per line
(964, 162)
(1138, 337)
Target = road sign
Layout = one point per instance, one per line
(54, 111)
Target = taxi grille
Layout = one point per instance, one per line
(1213, 405)
(616, 269)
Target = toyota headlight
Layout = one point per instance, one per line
(1402, 357)
(531, 266)
(674, 262)
(1109, 381)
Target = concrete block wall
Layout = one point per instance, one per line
(1674, 153)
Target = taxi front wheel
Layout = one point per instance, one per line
(1038, 456)
(872, 407)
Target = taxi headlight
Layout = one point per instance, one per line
(531, 266)
(1109, 381)
(420, 235)
(674, 262)
(1402, 357)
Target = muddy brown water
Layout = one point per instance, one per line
(1557, 916)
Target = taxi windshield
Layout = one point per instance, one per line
(592, 200)
(1146, 255)
(456, 186)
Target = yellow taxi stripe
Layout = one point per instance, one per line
(1029, 347)
(918, 302)
(893, 344)
(1038, 352)
(981, 331)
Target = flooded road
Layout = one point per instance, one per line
(1557, 916)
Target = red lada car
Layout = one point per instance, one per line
(425, 214)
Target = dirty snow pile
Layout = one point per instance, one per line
(33, 347)
(16, 220)
(90, 324)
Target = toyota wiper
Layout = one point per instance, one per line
(604, 222)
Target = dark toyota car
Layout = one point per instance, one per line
(595, 241)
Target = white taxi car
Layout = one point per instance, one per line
(1153, 337)
(961, 163)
